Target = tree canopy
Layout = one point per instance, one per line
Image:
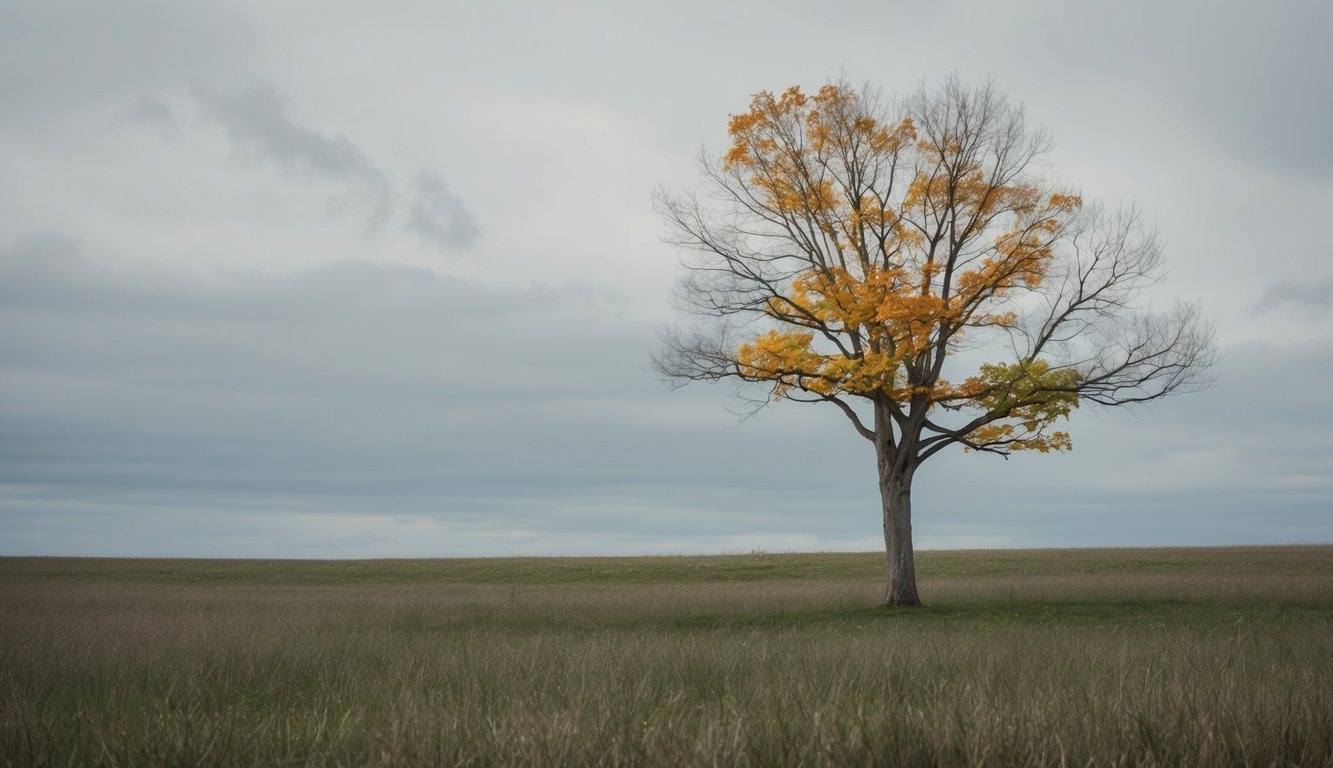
(872, 244)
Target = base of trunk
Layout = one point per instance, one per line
(900, 563)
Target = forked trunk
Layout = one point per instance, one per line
(896, 494)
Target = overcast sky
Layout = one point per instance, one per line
(322, 279)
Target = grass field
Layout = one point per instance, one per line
(1047, 657)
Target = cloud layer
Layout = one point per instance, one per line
(394, 410)
(385, 279)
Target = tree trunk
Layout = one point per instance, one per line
(896, 493)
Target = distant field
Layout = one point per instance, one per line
(1042, 657)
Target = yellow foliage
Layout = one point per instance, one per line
(882, 280)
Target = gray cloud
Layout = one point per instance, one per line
(351, 391)
(257, 121)
(356, 409)
(439, 216)
(1300, 296)
(44, 247)
(151, 113)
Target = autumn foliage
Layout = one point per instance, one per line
(872, 255)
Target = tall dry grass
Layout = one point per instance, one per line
(1119, 667)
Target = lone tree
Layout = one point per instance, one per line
(845, 249)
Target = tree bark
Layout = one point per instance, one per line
(895, 490)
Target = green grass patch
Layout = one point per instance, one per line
(1043, 657)
(682, 569)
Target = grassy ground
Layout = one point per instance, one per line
(1108, 657)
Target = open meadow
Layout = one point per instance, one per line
(1044, 657)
